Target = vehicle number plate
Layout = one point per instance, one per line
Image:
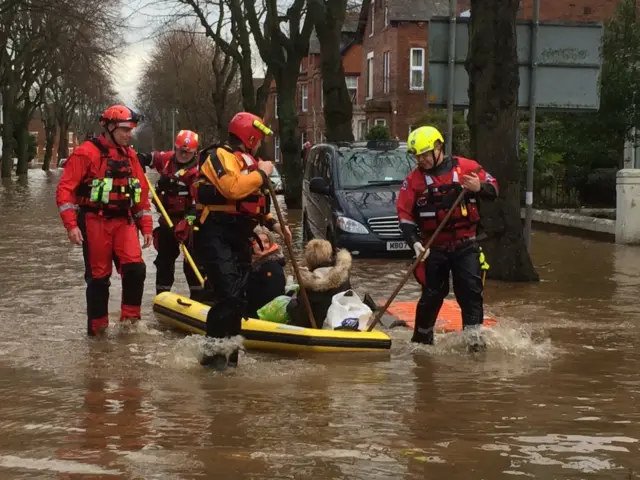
(398, 245)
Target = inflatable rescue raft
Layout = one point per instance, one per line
(189, 316)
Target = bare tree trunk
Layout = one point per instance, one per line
(493, 121)
(50, 139)
(63, 144)
(289, 137)
(338, 109)
(22, 150)
(7, 131)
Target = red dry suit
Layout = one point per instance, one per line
(103, 191)
(425, 198)
(174, 190)
(423, 202)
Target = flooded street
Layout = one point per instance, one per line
(555, 396)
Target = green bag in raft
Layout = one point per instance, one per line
(275, 310)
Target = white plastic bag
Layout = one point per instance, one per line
(345, 309)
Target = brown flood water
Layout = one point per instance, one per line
(553, 398)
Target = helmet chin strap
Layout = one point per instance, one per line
(113, 139)
(438, 160)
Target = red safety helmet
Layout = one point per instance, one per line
(249, 129)
(119, 116)
(187, 141)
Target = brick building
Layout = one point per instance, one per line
(563, 11)
(310, 95)
(388, 73)
(394, 63)
(36, 129)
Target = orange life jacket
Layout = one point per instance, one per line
(210, 200)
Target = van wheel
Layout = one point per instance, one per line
(306, 231)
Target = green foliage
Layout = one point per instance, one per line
(582, 151)
(379, 132)
(437, 117)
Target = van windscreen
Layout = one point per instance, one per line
(357, 169)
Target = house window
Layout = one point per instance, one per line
(362, 129)
(387, 71)
(276, 148)
(352, 88)
(275, 105)
(370, 74)
(303, 138)
(386, 14)
(416, 79)
(373, 16)
(70, 137)
(381, 121)
(304, 97)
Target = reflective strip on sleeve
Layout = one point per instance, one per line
(142, 213)
(67, 206)
(410, 222)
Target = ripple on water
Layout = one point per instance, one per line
(564, 451)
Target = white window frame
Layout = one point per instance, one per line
(276, 147)
(322, 93)
(304, 97)
(363, 128)
(70, 138)
(373, 17)
(369, 75)
(415, 68)
(387, 71)
(380, 121)
(303, 138)
(275, 105)
(386, 13)
(353, 78)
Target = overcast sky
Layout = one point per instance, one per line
(142, 17)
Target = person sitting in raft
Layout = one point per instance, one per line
(325, 274)
(267, 279)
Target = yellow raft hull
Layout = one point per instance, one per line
(186, 315)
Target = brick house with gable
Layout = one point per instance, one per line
(394, 62)
(395, 52)
(310, 95)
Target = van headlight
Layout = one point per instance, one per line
(349, 225)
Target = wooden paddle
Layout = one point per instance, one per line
(167, 219)
(287, 241)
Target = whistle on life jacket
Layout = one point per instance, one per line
(463, 205)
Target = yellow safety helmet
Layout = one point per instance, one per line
(423, 139)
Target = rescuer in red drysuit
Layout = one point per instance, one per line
(425, 197)
(178, 170)
(103, 199)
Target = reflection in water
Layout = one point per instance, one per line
(553, 397)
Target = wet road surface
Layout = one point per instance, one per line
(553, 398)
